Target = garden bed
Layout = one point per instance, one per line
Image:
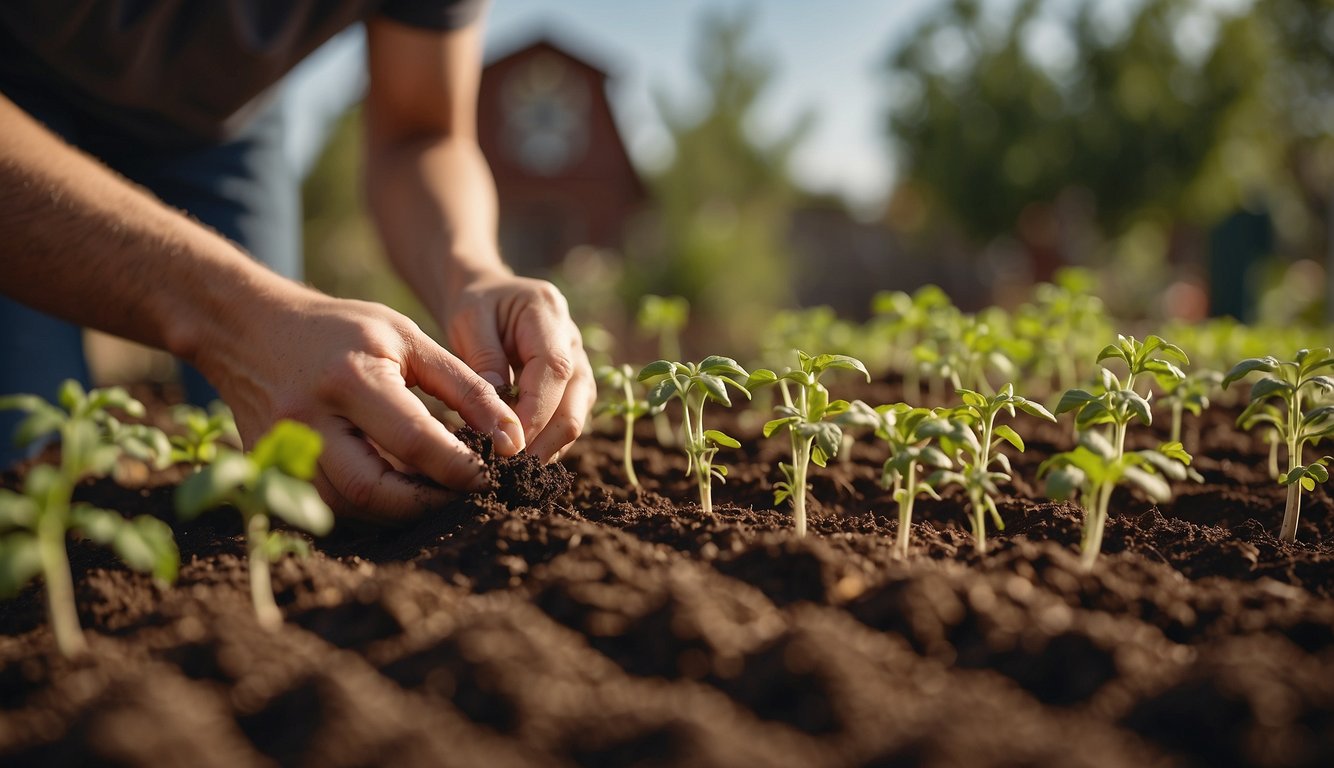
(577, 622)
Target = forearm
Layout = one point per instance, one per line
(434, 202)
(83, 244)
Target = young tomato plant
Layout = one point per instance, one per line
(1093, 470)
(1288, 383)
(203, 431)
(808, 417)
(624, 403)
(694, 385)
(1100, 462)
(271, 480)
(34, 524)
(1189, 394)
(972, 441)
(908, 431)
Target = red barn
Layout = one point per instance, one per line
(562, 172)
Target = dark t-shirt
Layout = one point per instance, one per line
(183, 70)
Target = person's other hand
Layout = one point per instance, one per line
(505, 326)
(345, 368)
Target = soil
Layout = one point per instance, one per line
(564, 619)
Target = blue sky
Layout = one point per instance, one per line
(827, 56)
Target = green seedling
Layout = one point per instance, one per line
(1094, 468)
(903, 322)
(908, 431)
(694, 385)
(34, 525)
(1100, 461)
(808, 416)
(626, 404)
(1189, 394)
(1060, 322)
(202, 435)
(973, 443)
(666, 317)
(272, 480)
(1287, 384)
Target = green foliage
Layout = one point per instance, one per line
(202, 432)
(271, 480)
(1058, 325)
(810, 419)
(909, 432)
(625, 403)
(1190, 394)
(1277, 402)
(990, 124)
(34, 524)
(1099, 463)
(971, 436)
(694, 384)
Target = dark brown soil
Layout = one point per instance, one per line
(563, 619)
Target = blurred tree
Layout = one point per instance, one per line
(724, 200)
(1159, 113)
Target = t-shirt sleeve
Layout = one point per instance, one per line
(434, 14)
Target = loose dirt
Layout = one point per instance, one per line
(564, 619)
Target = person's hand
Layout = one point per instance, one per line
(515, 330)
(345, 368)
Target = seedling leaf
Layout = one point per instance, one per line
(16, 510)
(213, 485)
(1074, 399)
(295, 501)
(721, 438)
(656, 368)
(1270, 387)
(281, 543)
(1154, 486)
(20, 561)
(1007, 433)
(1249, 365)
(291, 447)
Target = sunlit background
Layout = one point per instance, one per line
(751, 157)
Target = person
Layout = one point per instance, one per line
(141, 177)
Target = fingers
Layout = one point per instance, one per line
(476, 340)
(356, 481)
(568, 417)
(448, 379)
(377, 400)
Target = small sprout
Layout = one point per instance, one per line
(972, 441)
(808, 418)
(1189, 394)
(1288, 383)
(35, 523)
(695, 384)
(625, 404)
(905, 320)
(271, 480)
(203, 431)
(909, 432)
(1100, 462)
